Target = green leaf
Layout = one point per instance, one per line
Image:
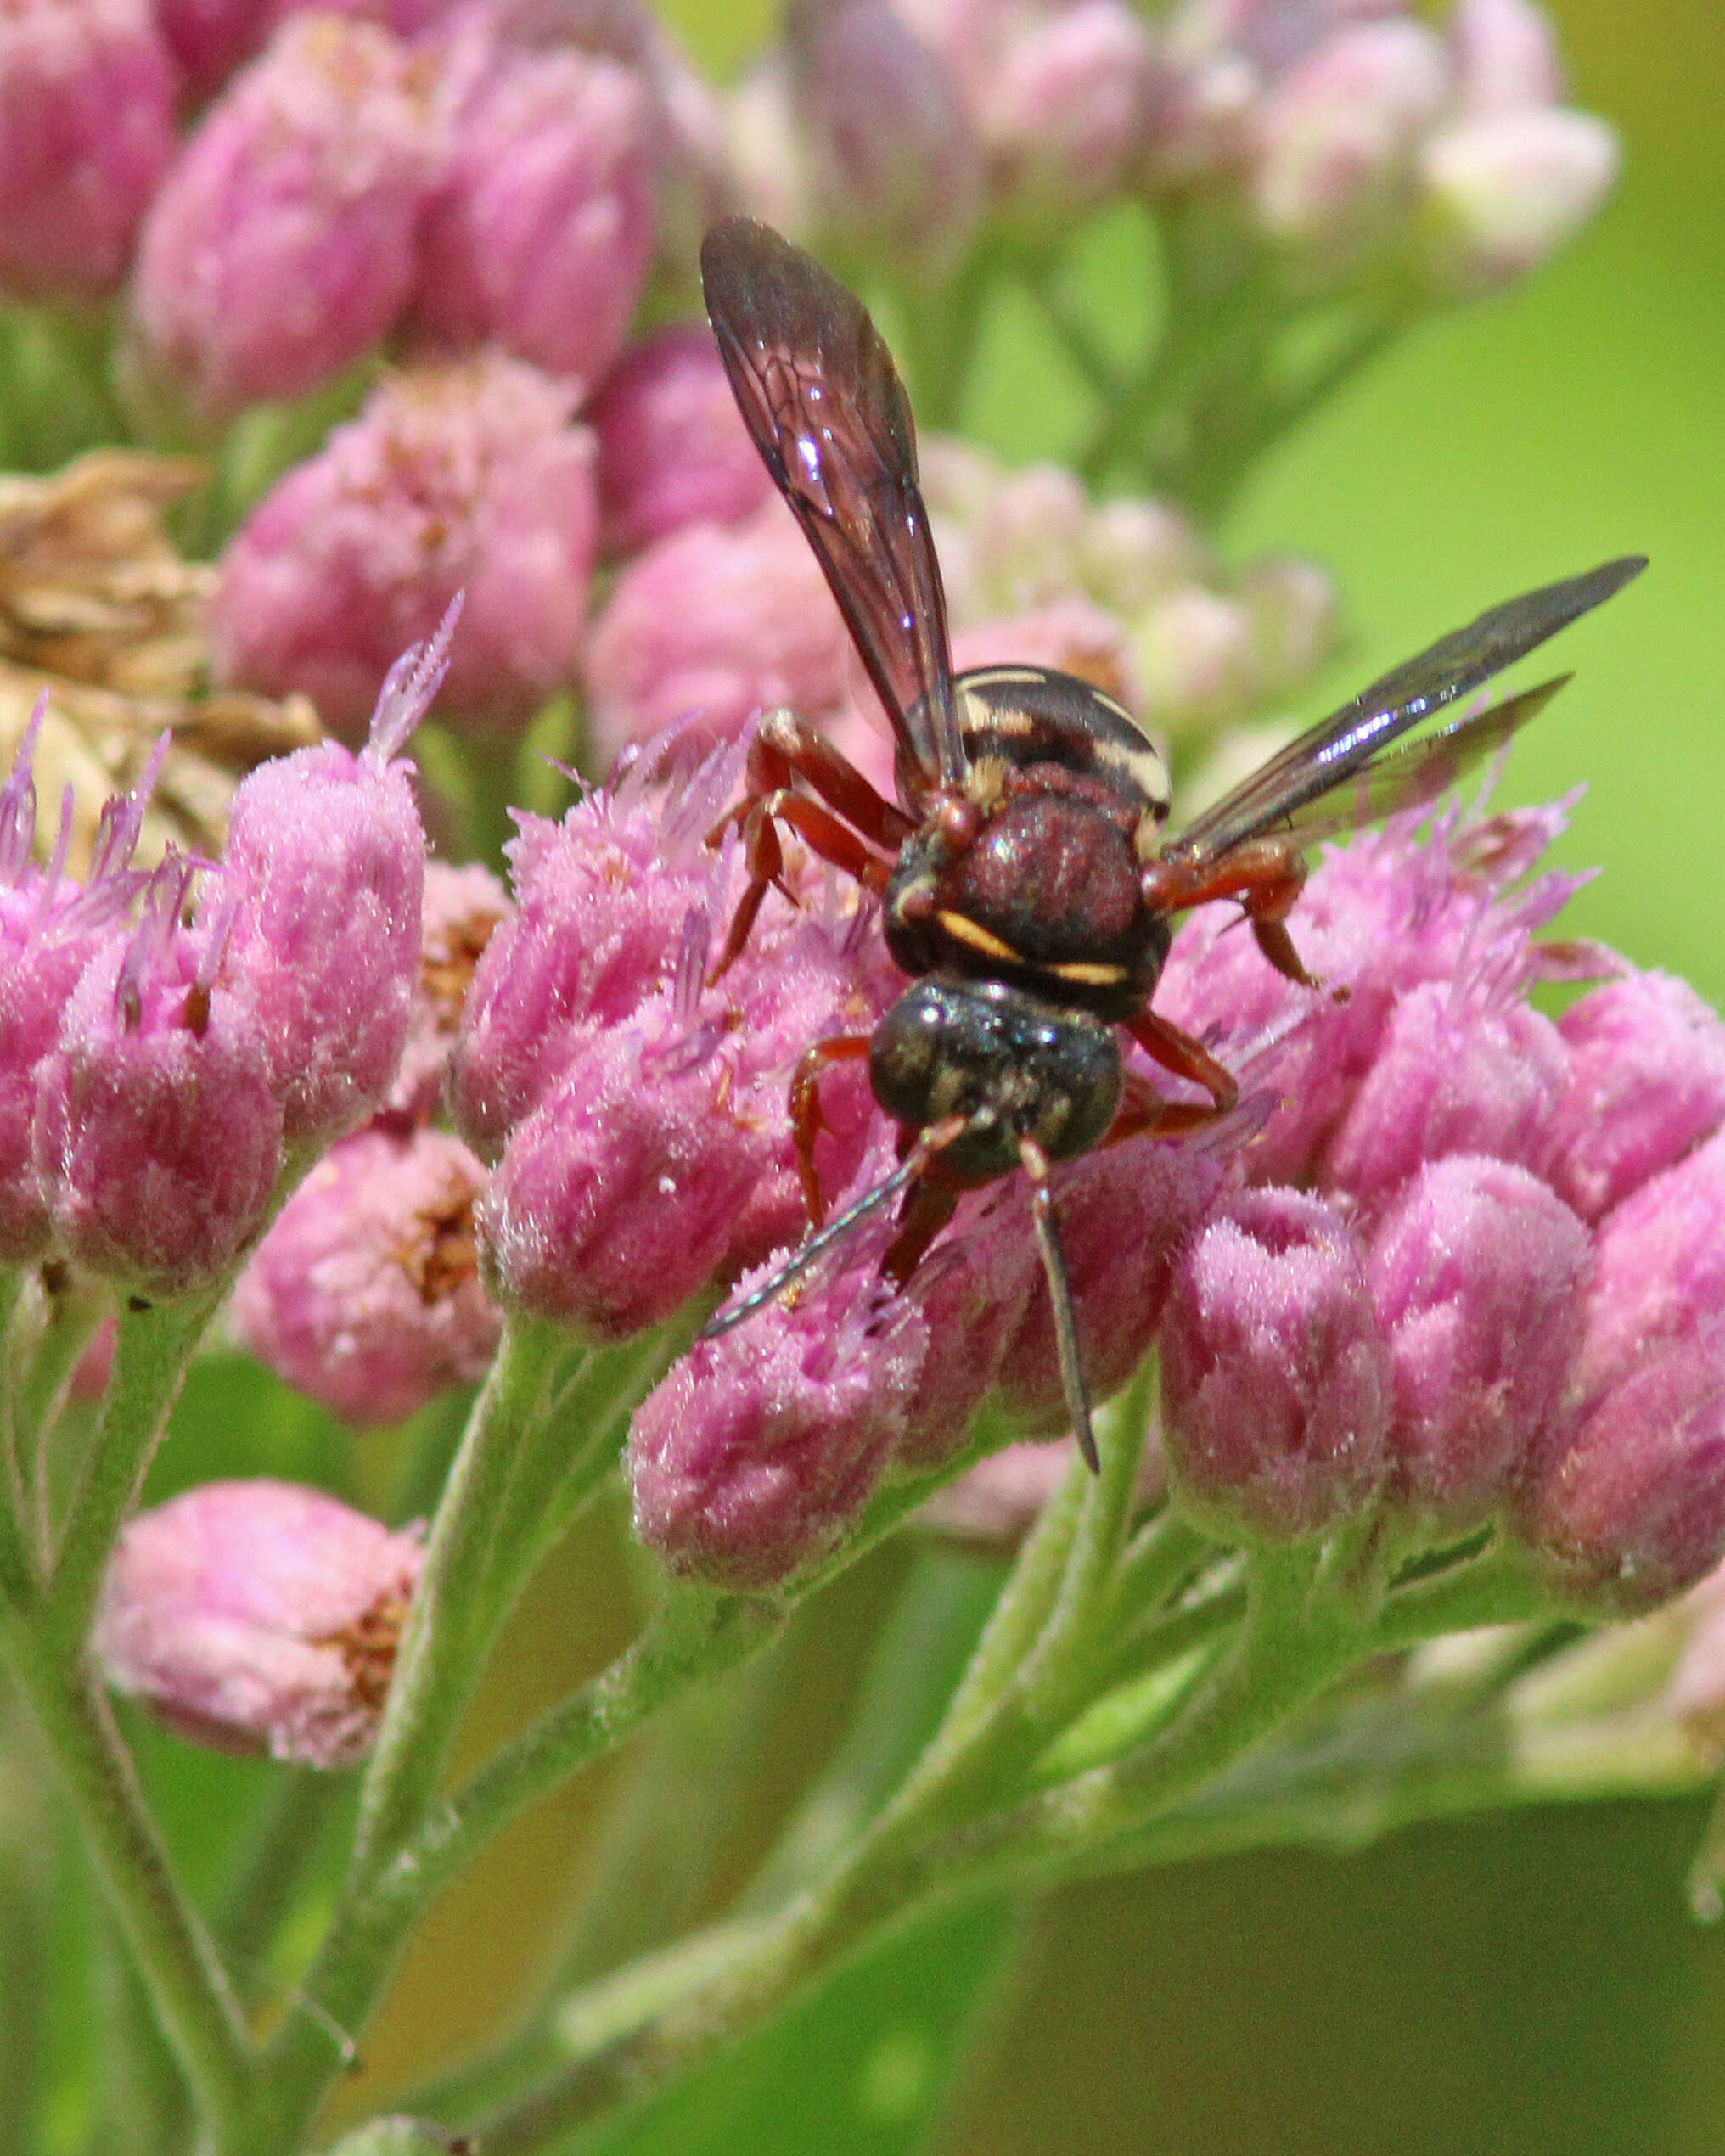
(864, 2067)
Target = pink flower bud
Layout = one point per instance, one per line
(1505, 55)
(1275, 1383)
(661, 1157)
(324, 870)
(259, 1617)
(753, 1457)
(1123, 1216)
(1500, 193)
(280, 246)
(1026, 540)
(365, 1292)
(1631, 1510)
(87, 130)
(1132, 553)
(891, 154)
(1646, 1085)
(713, 624)
(1660, 1268)
(1479, 1275)
(1291, 605)
(157, 1131)
(210, 38)
(541, 234)
(1192, 652)
(1335, 140)
(468, 479)
(1453, 1074)
(460, 913)
(672, 447)
(1067, 105)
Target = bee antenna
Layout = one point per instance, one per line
(934, 1140)
(1036, 1166)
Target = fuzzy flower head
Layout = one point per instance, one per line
(281, 244)
(365, 1292)
(51, 928)
(86, 132)
(323, 877)
(469, 478)
(636, 1108)
(157, 1132)
(259, 1617)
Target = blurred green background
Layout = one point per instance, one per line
(1531, 1984)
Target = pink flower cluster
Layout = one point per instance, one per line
(1452, 1258)
(171, 1043)
(1339, 135)
(452, 175)
(1422, 1295)
(633, 1111)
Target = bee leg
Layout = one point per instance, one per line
(806, 1120)
(1182, 1057)
(928, 1208)
(840, 824)
(1265, 875)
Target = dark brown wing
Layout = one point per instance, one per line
(1417, 771)
(817, 387)
(1350, 741)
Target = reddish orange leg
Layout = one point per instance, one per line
(822, 832)
(930, 1206)
(841, 824)
(807, 1120)
(1265, 875)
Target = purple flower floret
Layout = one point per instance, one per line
(1646, 1085)
(1479, 1277)
(365, 1292)
(259, 1617)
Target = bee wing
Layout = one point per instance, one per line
(817, 389)
(1417, 771)
(1350, 741)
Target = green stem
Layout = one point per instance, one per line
(1497, 1587)
(39, 1391)
(453, 1620)
(696, 1635)
(153, 1343)
(178, 1962)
